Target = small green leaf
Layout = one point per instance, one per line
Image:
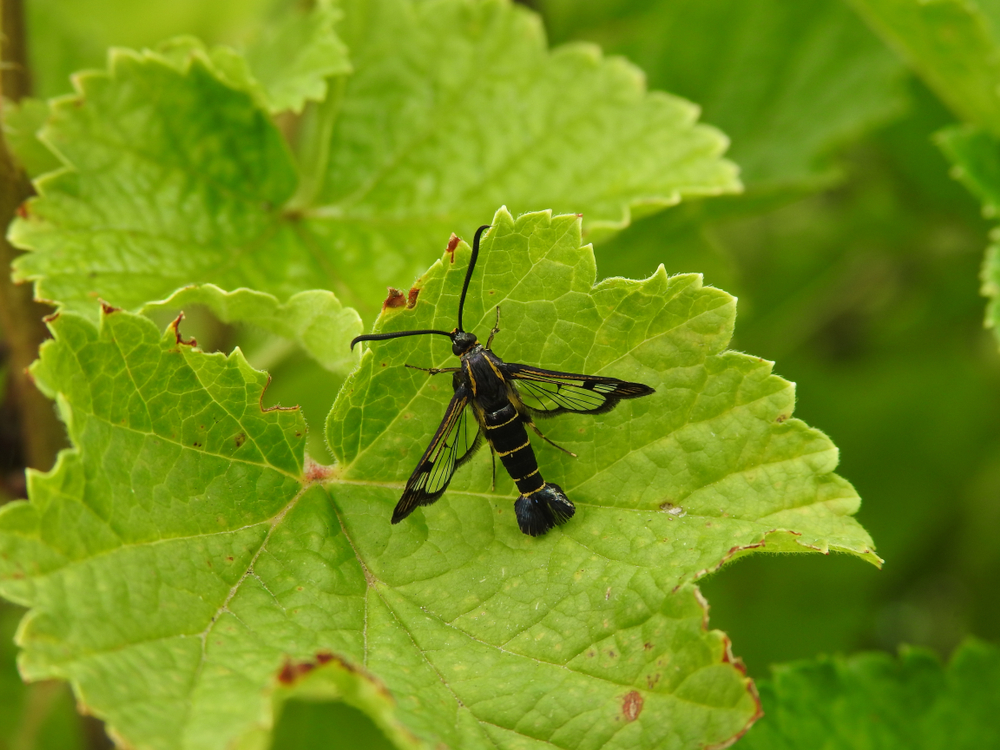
(315, 320)
(975, 154)
(231, 566)
(21, 122)
(286, 66)
(952, 44)
(292, 58)
(454, 107)
(873, 700)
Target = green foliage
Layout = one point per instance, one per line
(952, 44)
(67, 36)
(219, 554)
(288, 66)
(873, 700)
(21, 123)
(787, 82)
(201, 580)
(214, 182)
(955, 47)
(976, 156)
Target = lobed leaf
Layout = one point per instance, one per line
(186, 535)
(454, 107)
(874, 700)
(316, 320)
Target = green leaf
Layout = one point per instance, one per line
(155, 202)
(286, 66)
(232, 567)
(975, 154)
(316, 321)
(873, 700)
(952, 44)
(292, 58)
(21, 123)
(788, 82)
(454, 107)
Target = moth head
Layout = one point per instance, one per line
(462, 341)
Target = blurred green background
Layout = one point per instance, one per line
(855, 258)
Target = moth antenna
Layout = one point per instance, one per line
(468, 274)
(397, 335)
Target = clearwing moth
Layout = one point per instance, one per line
(503, 398)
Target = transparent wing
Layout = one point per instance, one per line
(549, 392)
(456, 439)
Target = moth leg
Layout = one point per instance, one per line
(495, 331)
(493, 483)
(434, 370)
(539, 433)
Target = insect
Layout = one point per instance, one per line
(503, 398)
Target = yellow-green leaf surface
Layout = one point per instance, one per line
(288, 63)
(453, 108)
(873, 700)
(186, 564)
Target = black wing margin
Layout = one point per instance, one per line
(549, 392)
(456, 439)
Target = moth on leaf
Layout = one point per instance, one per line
(502, 398)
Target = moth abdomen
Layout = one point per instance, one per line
(542, 509)
(506, 433)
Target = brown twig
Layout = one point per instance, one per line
(20, 316)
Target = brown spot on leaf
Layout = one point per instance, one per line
(781, 418)
(648, 646)
(240, 439)
(411, 297)
(316, 472)
(632, 705)
(394, 299)
(176, 326)
(276, 407)
(452, 244)
(286, 675)
(652, 680)
(109, 309)
(229, 558)
(22, 210)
